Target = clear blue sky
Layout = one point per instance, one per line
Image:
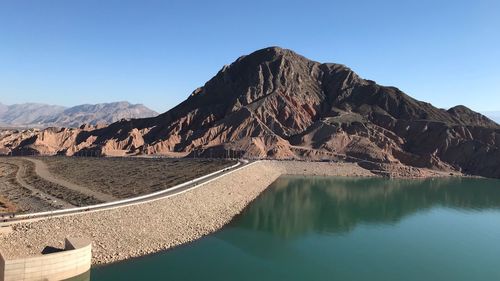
(157, 52)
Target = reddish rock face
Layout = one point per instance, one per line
(275, 103)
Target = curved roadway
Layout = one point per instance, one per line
(21, 172)
(6, 220)
(42, 171)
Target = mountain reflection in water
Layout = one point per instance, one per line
(355, 229)
(293, 206)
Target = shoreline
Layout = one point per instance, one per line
(148, 228)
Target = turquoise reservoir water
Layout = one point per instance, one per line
(316, 228)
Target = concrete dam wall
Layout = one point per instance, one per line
(74, 260)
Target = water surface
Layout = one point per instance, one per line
(319, 228)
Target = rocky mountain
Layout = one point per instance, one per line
(275, 103)
(3, 108)
(35, 115)
(26, 113)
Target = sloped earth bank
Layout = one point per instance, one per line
(138, 230)
(147, 228)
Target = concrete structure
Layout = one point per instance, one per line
(74, 260)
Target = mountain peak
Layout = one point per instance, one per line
(270, 54)
(278, 104)
(272, 51)
(469, 117)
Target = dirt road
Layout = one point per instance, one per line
(42, 171)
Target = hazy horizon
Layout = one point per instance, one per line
(156, 53)
(492, 114)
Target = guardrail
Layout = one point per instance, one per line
(125, 202)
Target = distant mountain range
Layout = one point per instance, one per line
(275, 103)
(37, 115)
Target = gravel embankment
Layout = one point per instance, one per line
(323, 169)
(142, 229)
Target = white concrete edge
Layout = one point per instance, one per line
(112, 205)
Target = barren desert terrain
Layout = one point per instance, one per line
(29, 184)
(128, 177)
